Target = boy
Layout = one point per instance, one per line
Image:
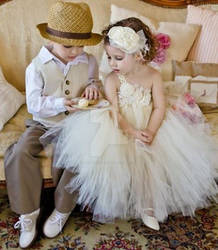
(60, 72)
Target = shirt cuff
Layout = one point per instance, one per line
(59, 104)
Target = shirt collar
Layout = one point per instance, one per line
(45, 55)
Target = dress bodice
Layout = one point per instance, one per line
(135, 95)
(134, 102)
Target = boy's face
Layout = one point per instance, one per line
(66, 53)
(119, 61)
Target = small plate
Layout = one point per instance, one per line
(102, 103)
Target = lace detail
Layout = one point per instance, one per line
(134, 95)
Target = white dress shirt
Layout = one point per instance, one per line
(47, 106)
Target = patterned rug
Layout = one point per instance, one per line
(82, 233)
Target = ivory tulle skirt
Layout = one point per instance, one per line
(118, 177)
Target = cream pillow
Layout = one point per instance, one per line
(118, 13)
(11, 100)
(182, 37)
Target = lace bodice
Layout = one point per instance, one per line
(134, 95)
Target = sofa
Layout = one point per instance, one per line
(20, 42)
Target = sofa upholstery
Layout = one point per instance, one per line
(20, 42)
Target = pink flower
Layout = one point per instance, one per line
(160, 56)
(164, 40)
(187, 107)
(164, 43)
(189, 99)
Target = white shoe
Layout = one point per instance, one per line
(27, 225)
(54, 224)
(150, 221)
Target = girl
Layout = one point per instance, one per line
(133, 159)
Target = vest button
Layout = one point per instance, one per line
(67, 112)
(67, 82)
(67, 92)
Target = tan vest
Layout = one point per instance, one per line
(56, 84)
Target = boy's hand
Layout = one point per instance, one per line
(68, 104)
(91, 92)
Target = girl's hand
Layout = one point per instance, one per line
(68, 105)
(91, 92)
(146, 136)
(149, 135)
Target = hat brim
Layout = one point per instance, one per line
(93, 40)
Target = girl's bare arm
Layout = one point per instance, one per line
(159, 105)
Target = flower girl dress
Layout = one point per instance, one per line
(120, 177)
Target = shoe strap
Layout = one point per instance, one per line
(23, 223)
(148, 209)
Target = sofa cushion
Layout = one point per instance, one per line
(45, 168)
(11, 133)
(13, 129)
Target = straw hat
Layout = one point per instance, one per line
(70, 24)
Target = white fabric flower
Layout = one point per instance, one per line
(125, 39)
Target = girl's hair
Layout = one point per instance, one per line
(137, 25)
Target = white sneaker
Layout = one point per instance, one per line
(27, 225)
(150, 221)
(54, 224)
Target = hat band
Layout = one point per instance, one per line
(68, 34)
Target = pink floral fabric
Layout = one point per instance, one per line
(164, 43)
(187, 107)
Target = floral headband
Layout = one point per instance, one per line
(127, 40)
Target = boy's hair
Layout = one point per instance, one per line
(137, 25)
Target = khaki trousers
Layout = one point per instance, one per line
(23, 175)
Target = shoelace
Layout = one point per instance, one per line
(23, 224)
(59, 219)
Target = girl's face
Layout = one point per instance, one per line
(119, 61)
(66, 53)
